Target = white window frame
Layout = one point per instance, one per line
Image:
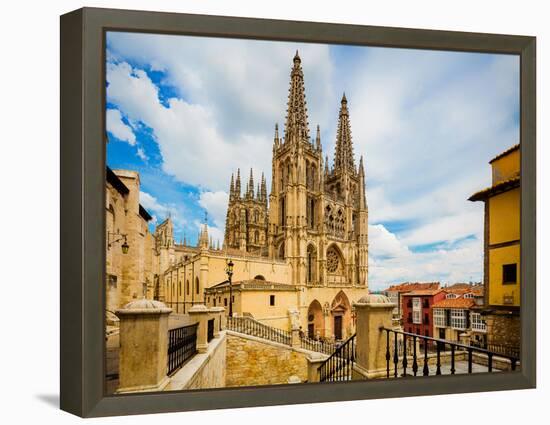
(439, 318)
(451, 296)
(478, 324)
(469, 295)
(417, 310)
(458, 319)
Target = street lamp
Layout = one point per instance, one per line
(122, 236)
(229, 271)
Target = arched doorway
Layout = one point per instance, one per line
(341, 316)
(315, 320)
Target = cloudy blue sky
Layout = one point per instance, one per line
(186, 112)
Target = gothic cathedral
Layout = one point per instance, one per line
(316, 217)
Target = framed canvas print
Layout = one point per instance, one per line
(259, 212)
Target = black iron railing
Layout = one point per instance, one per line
(320, 346)
(502, 349)
(210, 334)
(249, 326)
(182, 345)
(339, 366)
(415, 348)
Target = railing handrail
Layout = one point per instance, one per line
(250, 326)
(440, 345)
(341, 359)
(182, 345)
(456, 344)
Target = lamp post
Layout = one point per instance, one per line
(122, 236)
(229, 271)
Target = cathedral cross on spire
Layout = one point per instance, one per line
(343, 157)
(296, 126)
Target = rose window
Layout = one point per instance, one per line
(333, 260)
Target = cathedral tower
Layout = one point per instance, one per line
(246, 220)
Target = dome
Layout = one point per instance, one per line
(374, 299)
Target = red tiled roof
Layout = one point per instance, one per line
(422, 292)
(454, 303)
(413, 286)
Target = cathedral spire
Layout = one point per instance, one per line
(250, 186)
(296, 127)
(238, 184)
(362, 195)
(326, 165)
(276, 140)
(263, 189)
(343, 157)
(231, 188)
(203, 237)
(318, 138)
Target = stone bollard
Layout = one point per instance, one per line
(465, 338)
(313, 362)
(373, 312)
(200, 313)
(143, 357)
(218, 314)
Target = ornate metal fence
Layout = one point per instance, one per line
(319, 346)
(182, 345)
(501, 349)
(339, 366)
(407, 346)
(249, 326)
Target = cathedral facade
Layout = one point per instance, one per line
(317, 217)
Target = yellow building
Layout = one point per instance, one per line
(502, 248)
(131, 266)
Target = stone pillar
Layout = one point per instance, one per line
(218, 314)
(465, 338)
(143, 358)
(200, 314)
(294, 319)
(373, 312)
(313, 363)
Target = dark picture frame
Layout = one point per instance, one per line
(82, 209)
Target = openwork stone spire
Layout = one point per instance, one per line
(343, 157)
(296, 126)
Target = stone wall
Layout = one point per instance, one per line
(254, 361)
(204, 370)
(503, 328)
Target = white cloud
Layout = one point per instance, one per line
(216, 205)
(118, 128)
(229, 94)
(391, 261)
(141, 153)
(161, 211)
(383, 243)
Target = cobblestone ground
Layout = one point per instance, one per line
(461, 367)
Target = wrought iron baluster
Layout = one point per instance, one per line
(404, 355)
(388, 356)
(415, 364)
(513, 361)
(490, 361)
(438, 347)
(425, 369)
(395, 354)
(452, 359)
(469, 360)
